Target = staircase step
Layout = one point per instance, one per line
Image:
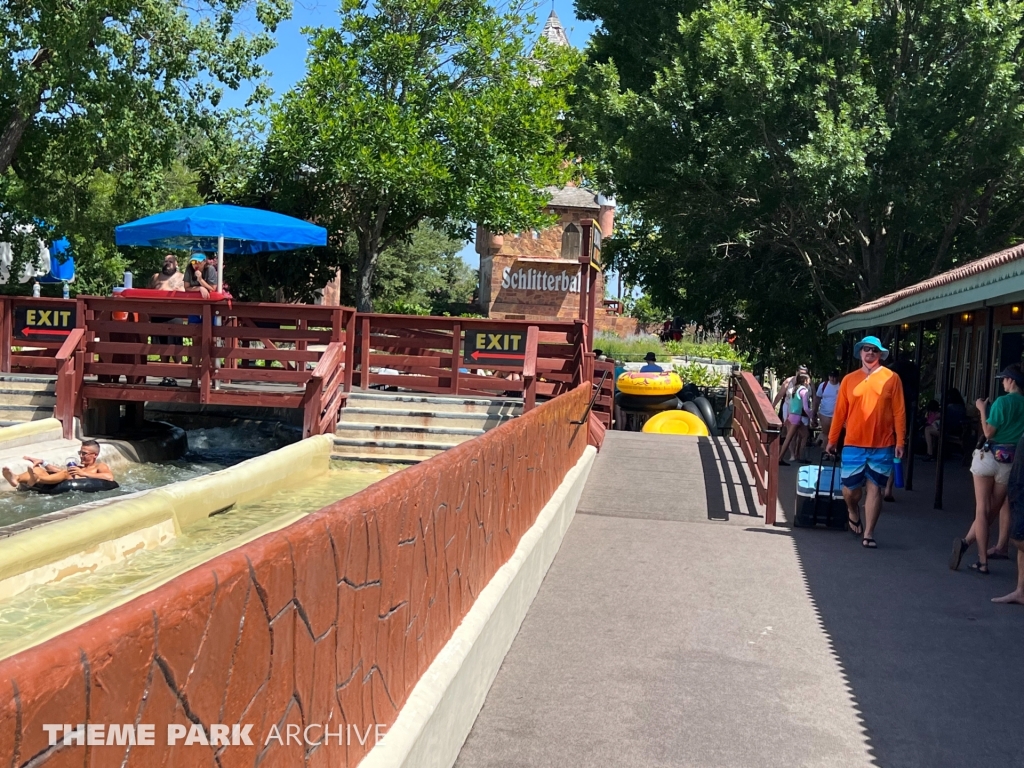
(403, 432)
(25, 412)
(347, 447)
(27, 397)
(391, 458)
(37, 378)
(423, 417)
(412, 402)
(27, 387)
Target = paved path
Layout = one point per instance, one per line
(674, 629)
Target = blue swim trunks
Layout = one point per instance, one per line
(862, 464)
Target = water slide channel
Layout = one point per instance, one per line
(44, 610)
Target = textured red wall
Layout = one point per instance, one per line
(331, 620)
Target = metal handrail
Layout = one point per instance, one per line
(593, 399)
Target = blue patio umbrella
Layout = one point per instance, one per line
(224, 228)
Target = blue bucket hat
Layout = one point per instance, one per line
(870, 341)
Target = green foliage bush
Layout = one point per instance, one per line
(634, 348)
(699, 374)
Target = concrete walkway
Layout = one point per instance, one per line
(674, 629)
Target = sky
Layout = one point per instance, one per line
(287, 62)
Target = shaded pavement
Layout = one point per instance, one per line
(674, 629)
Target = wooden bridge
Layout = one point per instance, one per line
(131, 348)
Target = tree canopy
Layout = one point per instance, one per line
(782, 160)
(99, 101)
(414, 110)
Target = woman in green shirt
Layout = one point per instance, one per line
(1003, 426)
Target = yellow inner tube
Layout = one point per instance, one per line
(676, 423)
(636, 383)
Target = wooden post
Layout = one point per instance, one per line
(301, 345)
(990, 348)
(530, 369)
(581, 352)
(364, 349)
(939, 462)
(909, 458)
(456, 355)
(206, 355)
(350, 349)
(311, 407)
(337, 324)
(772, 480)
(584, 260)
(7, 331)
(591, 308)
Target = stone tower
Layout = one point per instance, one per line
(535, 275)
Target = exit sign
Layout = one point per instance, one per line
(495, 348)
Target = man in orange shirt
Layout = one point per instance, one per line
(870, 405)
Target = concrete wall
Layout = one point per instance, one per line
(330, 621)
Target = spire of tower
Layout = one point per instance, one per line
(553, 29)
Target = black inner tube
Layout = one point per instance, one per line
(84, 484)
(646, 403)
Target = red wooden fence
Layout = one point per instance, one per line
(282, 355)
(756, 428)
(425, 354)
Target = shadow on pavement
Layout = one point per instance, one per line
(935, 669)
(728, 487)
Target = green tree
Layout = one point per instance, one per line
(86, 208)
(98, 102)
(414, 110)
(784, 159)
(425, 274)
(99, 78)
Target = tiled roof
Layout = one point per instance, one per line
(959, 273)
(572, 197)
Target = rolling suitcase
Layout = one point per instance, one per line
(819, 494)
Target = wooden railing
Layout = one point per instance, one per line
(425, 354)
(208, 351)
(756, 428)
(324, 395)
(219, 347)
(67, 382)
(604, 378)
(36, 350)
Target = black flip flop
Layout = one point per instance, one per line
(959, 547)
(869, 544)
(853, 526)
(981, 568)
(998, 556)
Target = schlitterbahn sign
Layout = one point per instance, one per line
(536, 280)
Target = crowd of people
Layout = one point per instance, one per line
(863, 421)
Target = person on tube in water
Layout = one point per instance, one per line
(41, 473)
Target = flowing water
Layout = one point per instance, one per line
(208, 451)
(37, 612)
